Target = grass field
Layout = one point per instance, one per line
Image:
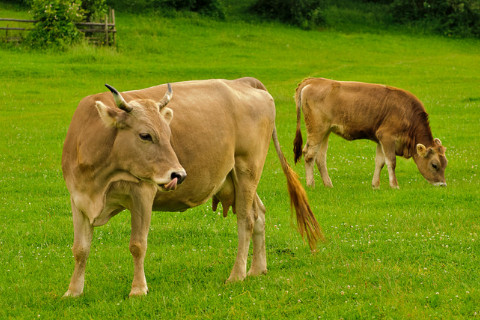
(390, 254)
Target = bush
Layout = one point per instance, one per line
(56, 23)
(303, 13)
(450, 17)
(212, 8)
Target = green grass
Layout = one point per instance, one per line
(393, 254)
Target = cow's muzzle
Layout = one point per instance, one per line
(177, 177)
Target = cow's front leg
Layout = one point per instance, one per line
(141, 213)
(259, 259)
(83, 231)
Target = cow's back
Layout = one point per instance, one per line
(356, 110)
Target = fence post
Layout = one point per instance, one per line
(112, 11)
(106, 29)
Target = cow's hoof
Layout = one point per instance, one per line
(71, 294)
(235, 278)
(138, 292)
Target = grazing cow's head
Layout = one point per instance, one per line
(431, 162)
(142, 144)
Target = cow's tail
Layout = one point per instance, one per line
(306, 222)
(298, 142)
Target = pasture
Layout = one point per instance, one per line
(390, 254)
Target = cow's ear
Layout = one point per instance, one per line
(167, 114)
(421, 150)
(110, 116)
(438, 146)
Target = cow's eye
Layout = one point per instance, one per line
(145, 137)
(434, 166)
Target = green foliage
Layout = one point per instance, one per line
(303, 13)
(94, 9)
(212, 8)
(449, 17)
(56, 23)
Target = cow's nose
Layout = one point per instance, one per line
(180, 175)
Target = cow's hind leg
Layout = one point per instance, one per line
(259, 259)
(379, 163)
(315, 150)
(310, 153)
(245, 178)
(141, 213)
(83, 232)
(322, 161)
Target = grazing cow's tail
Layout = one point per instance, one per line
(306, 222)
(297, 143)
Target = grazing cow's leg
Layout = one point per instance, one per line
(259, 259)
(379, 163)
(322, 162)
(141, 213)
(245, 180)
(309, 154)
(315, 150)
(83, 231)
(388, 147)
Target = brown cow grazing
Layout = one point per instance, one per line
(126, 150)
(394, 118)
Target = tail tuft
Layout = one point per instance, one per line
(297, 145)
(298, 142)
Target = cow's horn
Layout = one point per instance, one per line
(119, 101)
(166, 98)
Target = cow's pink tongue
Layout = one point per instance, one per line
(172, 185)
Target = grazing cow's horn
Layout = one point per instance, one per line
(166, 98)
(119, 101)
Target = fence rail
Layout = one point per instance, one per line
(101, 33)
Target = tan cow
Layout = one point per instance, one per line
(394, 118)
(125, 151)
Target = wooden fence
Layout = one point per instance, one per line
(100, 33)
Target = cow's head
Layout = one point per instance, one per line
(142, 144)
(431, 162)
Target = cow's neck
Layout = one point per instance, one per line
(95, 172)
(421, 134)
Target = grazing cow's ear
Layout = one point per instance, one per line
(439, 148)
(167, 114)
(421, 150)
(109, 116)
